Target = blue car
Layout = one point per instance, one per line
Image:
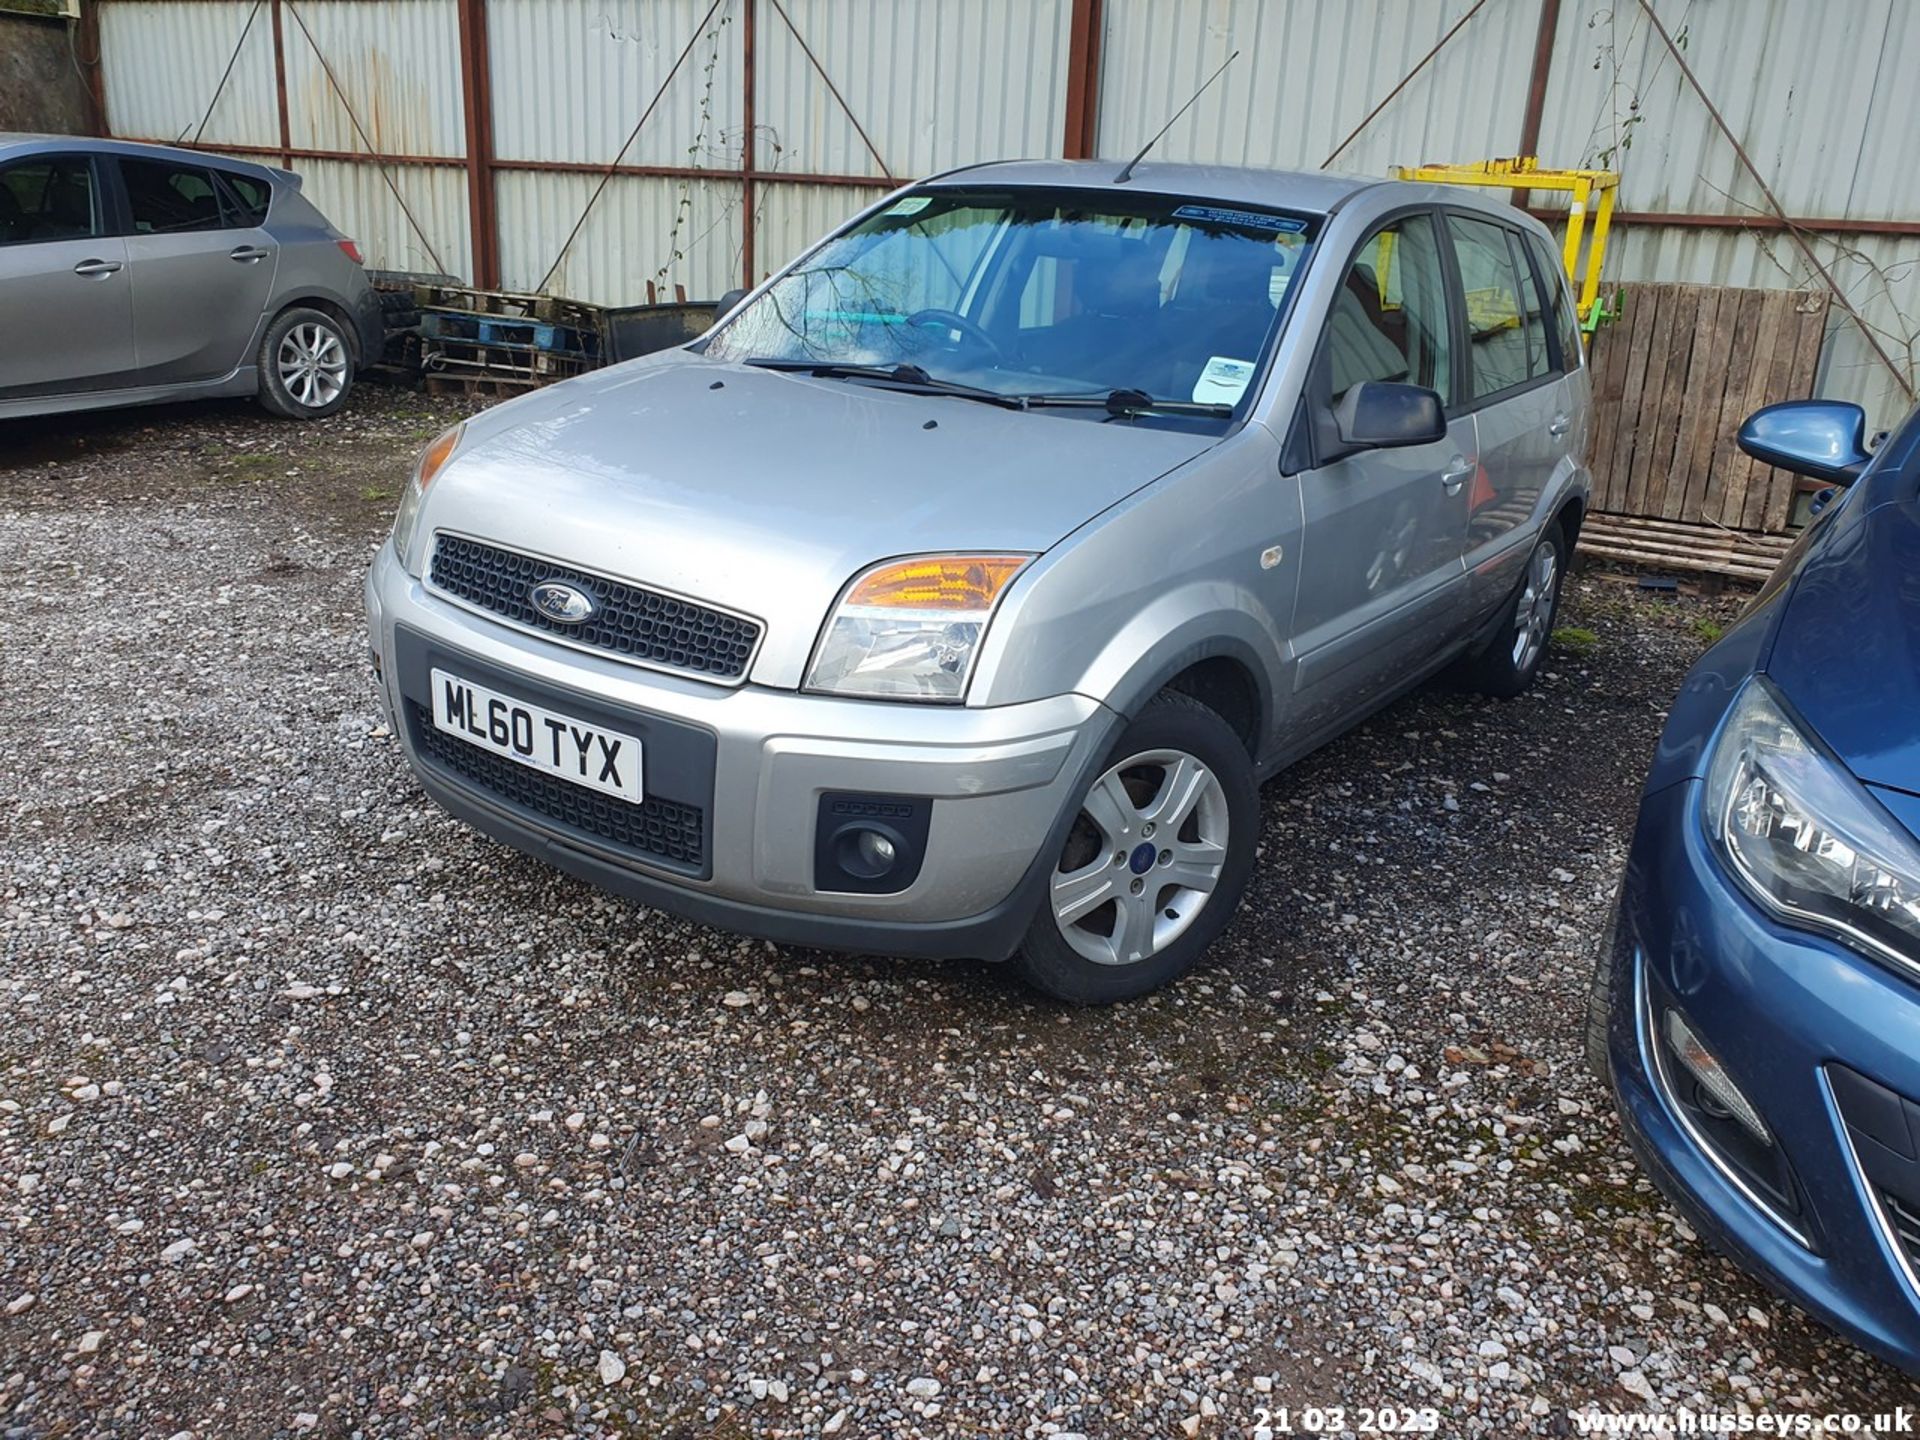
(1757, 1003)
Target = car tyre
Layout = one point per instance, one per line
(305, 364)
(1520, 643)
(1155, 862)
(1600, 1000)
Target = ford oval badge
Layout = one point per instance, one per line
(562, 603)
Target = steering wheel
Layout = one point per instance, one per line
(954, 320)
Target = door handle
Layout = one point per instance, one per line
(1559, 425)
(1456, 474)
(96, 267)
(248, 253)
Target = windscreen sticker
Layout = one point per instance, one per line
(912, 205)
(1223, 381)
(1248, 219)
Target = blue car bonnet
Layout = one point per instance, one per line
(1847, 650)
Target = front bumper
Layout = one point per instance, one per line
(999, 782)
(1789, 1014)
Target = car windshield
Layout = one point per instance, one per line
(1039, 293)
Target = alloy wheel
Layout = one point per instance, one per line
(1144, 855)
(1533, 616)
(312, 363)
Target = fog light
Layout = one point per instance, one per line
(876, 850)
(1705, 1068)
(867, 844)
(865, 854)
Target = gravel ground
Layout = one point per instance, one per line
(320, 1113)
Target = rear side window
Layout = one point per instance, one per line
(1566, 319)
(1533, 311)
(170, 199)
(51, 198)
(1389, 319)
(1496, 327)
(247, 197)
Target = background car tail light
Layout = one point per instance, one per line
(350, 249)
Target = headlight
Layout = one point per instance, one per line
(432, 460)
(1805, 837)
(910, 629)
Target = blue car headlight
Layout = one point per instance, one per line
(1804, 837)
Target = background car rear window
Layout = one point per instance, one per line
(49, 199)
(1495, 324)
(249, 195)
(1389, 319)
(168, 199)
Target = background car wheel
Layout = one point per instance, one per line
(1507, 666)
(306, 365)
(1155, 862)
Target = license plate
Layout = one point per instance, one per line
(541, 739)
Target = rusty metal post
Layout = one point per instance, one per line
(87, 43)
(280, 89)
(476, 98)
(1082, 135)
(1537, 87)
(750, 154)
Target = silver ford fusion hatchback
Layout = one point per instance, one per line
(954, 594)
(139, 273)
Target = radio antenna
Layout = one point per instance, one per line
(1127, 174)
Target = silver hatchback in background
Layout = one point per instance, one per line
(954, 595)
(137, 273)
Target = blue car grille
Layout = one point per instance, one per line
(632, 622)
(1906, 1226)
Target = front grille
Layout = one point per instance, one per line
(633, 623)
(659, 829)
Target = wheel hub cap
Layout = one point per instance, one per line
(1146, 852)
(1533, 616)
(312, 364)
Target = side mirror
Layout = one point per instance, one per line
(1380, 415)
(728, 301)
(1823, 439)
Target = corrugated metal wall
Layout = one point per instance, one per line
(1307, 73)
(1817, 88)
(1820, 91)
(936, 83)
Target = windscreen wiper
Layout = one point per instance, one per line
(910, 378)
(1123, 402)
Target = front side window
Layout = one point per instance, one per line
(1040, 293)
(48, 199)
(169, 199)
(1496, 326)
(1389, 317)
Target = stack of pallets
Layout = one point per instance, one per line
(495, 341)
(1671, 545)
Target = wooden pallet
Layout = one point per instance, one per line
(1672, 380)
(1669, 545)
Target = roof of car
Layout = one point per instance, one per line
(1317, 191)
(19, 141)
(1311, 191)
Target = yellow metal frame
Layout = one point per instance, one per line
(1593, 194)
